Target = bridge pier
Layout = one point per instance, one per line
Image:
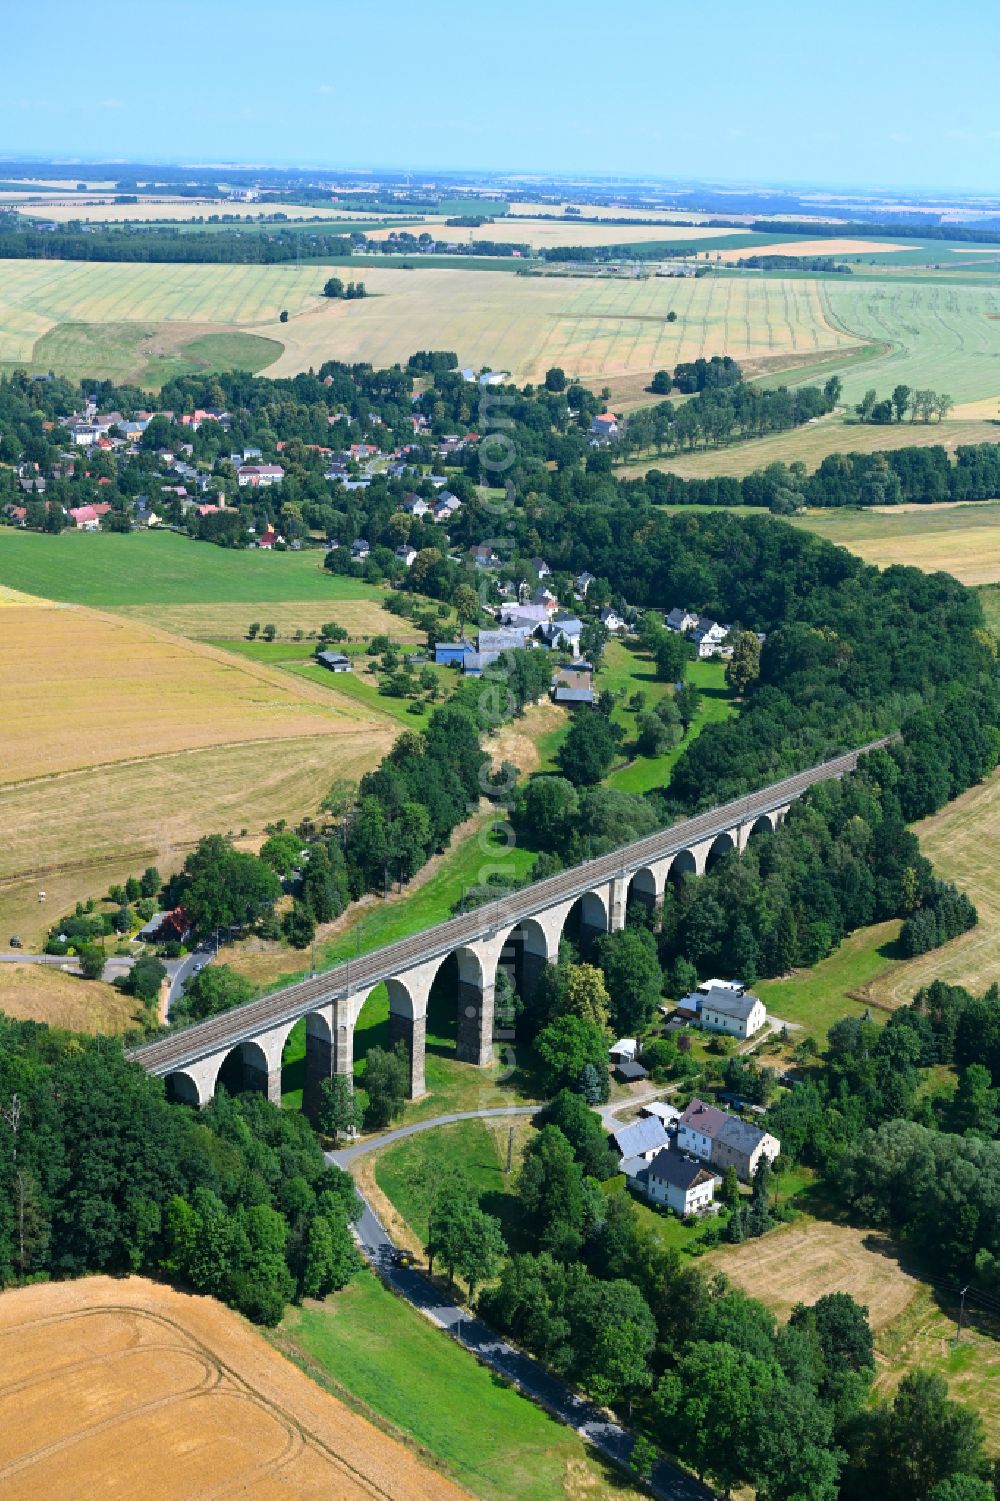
(412, 1032)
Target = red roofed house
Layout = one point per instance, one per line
(267, 539)
(88, 518)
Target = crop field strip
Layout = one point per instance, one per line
(813, 442)
(959, 539)
(490, 318)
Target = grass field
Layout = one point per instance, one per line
(409, 1174)
(960, 539)
(943, 334)
(912, 1327)
(149, 354)
(99, 1374)
(42, 992)
(636, 671)
(374, 1349)
(811, 443)
(838, 986)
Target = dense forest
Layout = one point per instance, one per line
(100, 1173)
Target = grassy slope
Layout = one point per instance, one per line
(370, 1345)
(962, 539)
(141, 568)
(410, 1172)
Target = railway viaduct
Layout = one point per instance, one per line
(521, 931)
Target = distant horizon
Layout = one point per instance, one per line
(482, 176)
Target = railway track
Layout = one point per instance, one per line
(364, 973)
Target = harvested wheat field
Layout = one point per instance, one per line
(959, 539)
(961, 841)
(75, 833)
(229, 619)
(45, 993)
(824, 247)
(127, 1389)
(801, 1263)
(92, 689)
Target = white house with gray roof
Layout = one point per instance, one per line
(735, 1015)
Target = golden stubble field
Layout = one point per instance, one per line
(591, 326)
(43, 992)
(961, 841)
(86, 689)
(125, 1389)
(124, 744)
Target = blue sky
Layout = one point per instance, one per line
(782, 91)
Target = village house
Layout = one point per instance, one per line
(406, 554)
(722, 1139)
(359, 550)
(681, 621)
(562, 632)
(259, 476)
(604, 427)
(735, 1014)
(681, 1183)
(88, 518)
(582, 583)
(267, 539)
(611, 620)
(414, 505)
(484, 557)
(540, 567)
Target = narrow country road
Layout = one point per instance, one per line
(669, 1483)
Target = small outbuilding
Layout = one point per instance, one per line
(334, 661)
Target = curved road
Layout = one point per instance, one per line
(669, 1483)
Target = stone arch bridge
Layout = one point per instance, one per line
(520, 931)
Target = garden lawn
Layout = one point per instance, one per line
(369, 1345)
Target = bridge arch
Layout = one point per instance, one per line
(683, 864)
(765, 824)
(408, 1025)
(722, 844)
(587, 919)
(246, 1069)
(181, 1089)
(644, 889)
(526, 949)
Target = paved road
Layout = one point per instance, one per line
(348, 1155)
(669, 1483)
(363, 974)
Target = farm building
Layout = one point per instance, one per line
(452, 653)
(334, 660)
(643, 1138)
(572, 689)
